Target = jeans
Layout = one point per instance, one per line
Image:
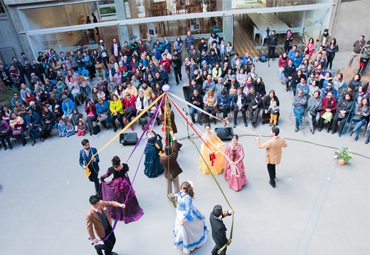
(313, 119)
(2, 140)
(91, 120)
(281, 71)
(192, 113)
(358, 126)
(299, 115)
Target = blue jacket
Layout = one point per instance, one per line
(157, 55)
(107, 73)
(84, 160)
(203, 58)
(145, 62)
(164, 76)
(291, 54)
(245, 60)
(35, 116)
(87, 61)
(224, 100)
(19, 100)
(304, 88)
(158, 48)
(102, 109)
(71, 105)
(297, 61)
(166, 46)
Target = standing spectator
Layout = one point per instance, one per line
(300, 104)
(189, 40)
(115, 49)
(311, 46)
(272, 43)
(102, 49)
(288, 41)
(365, 56)
(73, 61)
(142, 47)
(325, 38)
(331, 49)
(134, 46)
(24, 58)
(166, 45)
(149, 45)
(283, 60)
(357, 46)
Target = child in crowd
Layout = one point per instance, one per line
(61, 128)
(81, 128)
(222, 48)
(70, 129)
(274, 111)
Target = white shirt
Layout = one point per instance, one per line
(239, 102)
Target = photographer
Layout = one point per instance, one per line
(176, 64)
(272, 41)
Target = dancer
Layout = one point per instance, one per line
(209, 152)
(219, 229)
(273, 152)
(171, 167)
(190, 228)
(153, 166)
(97, 218)
(234, 167)
(117, 190)
(87, 155)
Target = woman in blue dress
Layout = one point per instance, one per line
(190, 228)
(153, 166)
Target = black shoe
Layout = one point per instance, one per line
(356, 139)
(115, 130)
(272, 184)
(33, 142)
(319, 129)
(254, 124)
(327, 130)
(200, 123)
(91, 134)
(296, 129)
(177, 83)
(114, 253)
(339, 134)
(270, 124)
(193, 120)
(5, 148)
(332, 132)
(11, 147)
(351, 133)
(246, 124)
(215, 121)
(234, 126)
(98, 249)
(367, 141)
(42, 139)
(287, 90)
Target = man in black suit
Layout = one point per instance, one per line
(254, 103)
(239, 103)
(219, 229)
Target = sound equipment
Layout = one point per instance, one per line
(128, 138)
(225, 133)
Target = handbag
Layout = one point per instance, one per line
(327, 116)
(358, 117)
(17, 131)
(102, 118)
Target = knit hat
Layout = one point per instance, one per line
(217, 210)
(351, 86)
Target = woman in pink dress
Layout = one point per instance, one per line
(234, 167)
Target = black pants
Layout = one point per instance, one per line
(2, 140)
(46, 129)
(178, 74)
(108, 244)
(271, 52)
(224, 110)
(113, 120)
(106, 62)
(254, 114)
(236, 115)
(334, 123)
(272, 172)
(210, 111)
(287, 46)
(330, 61)
(90, 121)
(130, 112)
(94, 178)
(216, 248)
(91, 71)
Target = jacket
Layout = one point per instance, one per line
(212, 59)
(36, 119)
(357, 46)
(116, 106)
(149, 46)
(289, 71)
(223, 100)
(113, 72)
(333, 105)
(189, 41)
(93, 222)
(218, 230)
(169, 162)
(314, 105)
(138, 104)
(91, 108)
(189, 91)
(208, 85)
(272, 40)
(273, 149)
(267, 101)
(257, 98)
(71, 105)
(283, 62)
(102, 109)
(300, 102)
(118, 48)
(85, 159)
(344, 105)
(235, 100)
(297, 61)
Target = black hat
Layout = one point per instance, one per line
(217, 210)
(351, 86)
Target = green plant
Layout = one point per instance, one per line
(108, 10)
(343, 154)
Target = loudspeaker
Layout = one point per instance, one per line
(225, 134)
(128, 138)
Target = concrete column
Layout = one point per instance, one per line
(123, 32)
(228, 23)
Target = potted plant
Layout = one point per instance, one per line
(343, 155)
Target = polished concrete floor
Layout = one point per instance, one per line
(317, 205)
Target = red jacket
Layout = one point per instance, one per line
(30, 99)
(166, 66)
(283, 62)
(129, 103)
(325, 105)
